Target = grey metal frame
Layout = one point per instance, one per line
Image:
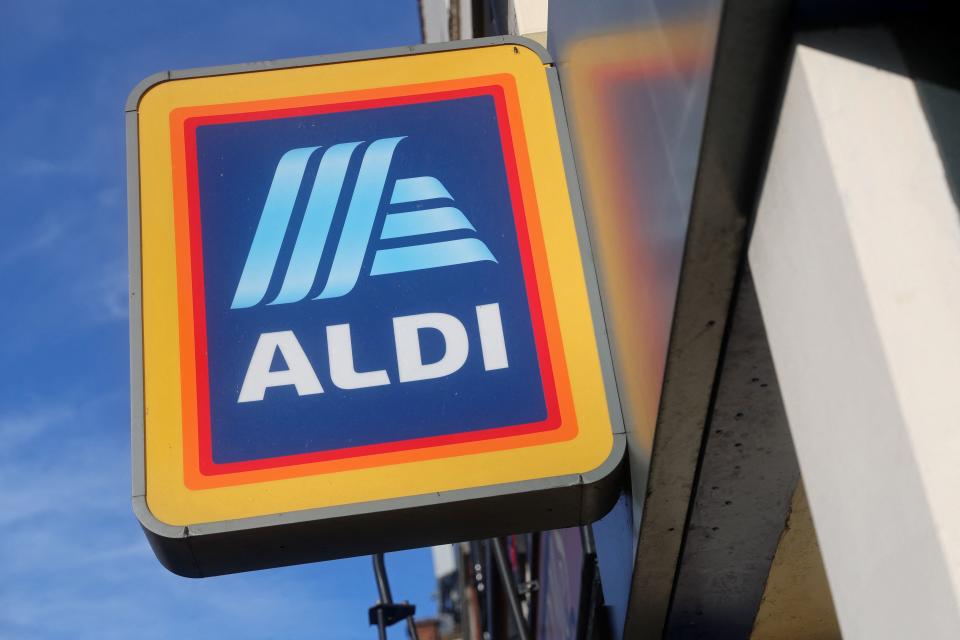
(230, 546)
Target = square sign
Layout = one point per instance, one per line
(364, 311)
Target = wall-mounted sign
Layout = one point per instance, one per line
(365, 315)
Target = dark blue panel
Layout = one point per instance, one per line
(455, 141)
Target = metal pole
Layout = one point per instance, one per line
(412, 628)
(381, 626)
(589, 586)
(383, 587)
(533, 609)
(587, 540)
(500, 554)
(489, 614)
(466, 623)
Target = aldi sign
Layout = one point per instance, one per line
(365, 315)
(396, 310)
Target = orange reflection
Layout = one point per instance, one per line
(636, 100)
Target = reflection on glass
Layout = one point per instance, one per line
(635, 79)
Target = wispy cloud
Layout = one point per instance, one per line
(22, 426)
(75, 564)
(105, 297)
(37, 167)
(42, 237)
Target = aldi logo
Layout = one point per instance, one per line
(368, 281)
(361, 217)
(364, 312)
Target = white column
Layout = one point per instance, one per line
(434, 17)
(856, 259)
(528, 18)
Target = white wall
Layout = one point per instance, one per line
(856, 259)
(435, 16)
(527, 17)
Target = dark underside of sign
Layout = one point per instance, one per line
(280, 540)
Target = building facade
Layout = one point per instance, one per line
(771, 191)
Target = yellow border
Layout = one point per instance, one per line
(167, 497)
(533, 238)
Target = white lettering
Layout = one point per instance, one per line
(491, 337)
(406, 333)
(342, 372)
(298, 373)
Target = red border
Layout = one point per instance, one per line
(207, 465)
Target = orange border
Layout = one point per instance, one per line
(568, 429)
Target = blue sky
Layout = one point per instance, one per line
(73, 561)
